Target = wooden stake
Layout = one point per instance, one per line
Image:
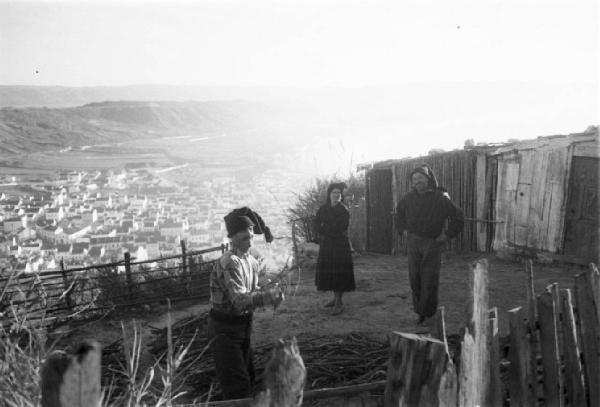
(72, 381)
(474, 377)
(573, 371)
(285, 375)
(548, 315)
(520, 392)
(532, 328)
(586, 296)
(420, 372)
(495, 395)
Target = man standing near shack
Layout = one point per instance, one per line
(424, 213)
(234, 295)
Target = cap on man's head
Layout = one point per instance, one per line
(236, 223)
(253, 218)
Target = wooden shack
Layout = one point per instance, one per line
(547, 197)
(535, 197)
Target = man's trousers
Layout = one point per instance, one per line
(424, 262)
(233, 357)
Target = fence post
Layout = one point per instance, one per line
(495, 394)
(474, 376)
(573, 370)
(532, 318)
(128, 275)
(192, 270)
(586, 295)
(520, 390)
(72, 381)
(548, 317)
(294, 243)
(420, 372)
(184, 267)
(531, 303)
(438, 326)
(183, 257)
(285, 374)
(67, 288)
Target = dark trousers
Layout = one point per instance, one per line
(232, 352)
(424, 262)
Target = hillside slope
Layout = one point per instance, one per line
(27, 130)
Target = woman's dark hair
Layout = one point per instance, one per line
(336, 185)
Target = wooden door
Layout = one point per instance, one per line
(581, 218)
(379, 212)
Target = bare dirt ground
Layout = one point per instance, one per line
(382, 300)
(380, 304)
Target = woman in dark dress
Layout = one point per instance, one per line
(335, 270)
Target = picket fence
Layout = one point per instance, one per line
(552, 358)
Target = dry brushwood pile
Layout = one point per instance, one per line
(330, 361)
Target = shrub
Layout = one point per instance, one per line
(302, 214)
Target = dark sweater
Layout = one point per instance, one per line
(425, 214)
(332, 221)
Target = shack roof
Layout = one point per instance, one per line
(557, 141)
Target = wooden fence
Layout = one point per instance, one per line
(50, 296)
(553, 359)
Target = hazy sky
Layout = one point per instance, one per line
(345, 43)
(285, 42)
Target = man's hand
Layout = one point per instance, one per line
(273, 296)
(277, 296)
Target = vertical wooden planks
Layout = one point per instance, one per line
(495, 394)
(549, 345)
(420, 372)
(395, 199)
(521, 393)
(499, 239)
(573, 378)
(586, 295)
(523, 197)
(536, 209)
(532, 328)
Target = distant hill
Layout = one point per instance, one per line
(40, 118)
(27, 130)
(63, 96)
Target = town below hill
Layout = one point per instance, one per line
(86, 218)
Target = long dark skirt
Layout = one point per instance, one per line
(335, 270)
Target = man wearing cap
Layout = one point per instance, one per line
(234, 295)
(423, 213)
